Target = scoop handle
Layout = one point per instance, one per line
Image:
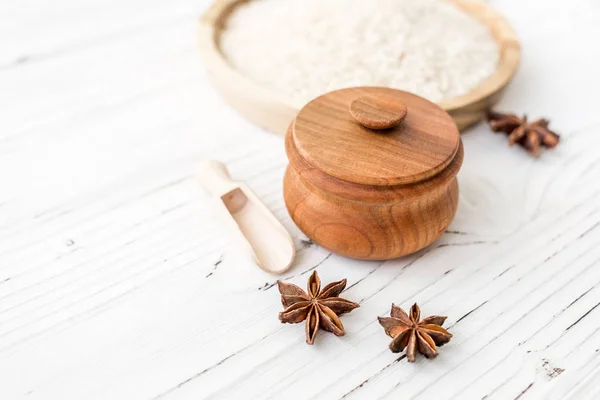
(214, 177)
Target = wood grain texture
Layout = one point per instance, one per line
(118, 281)
(377, 113)
(274, 111)
(328, 137)
(412, 167)
(370, 231)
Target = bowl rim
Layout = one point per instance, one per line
(211, 25)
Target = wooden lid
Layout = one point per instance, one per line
(375, 136)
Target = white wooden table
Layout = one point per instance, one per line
(117, 281)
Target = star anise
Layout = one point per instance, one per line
(530, 135)
(409, 333)
(320, 308)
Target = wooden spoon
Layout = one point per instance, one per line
(268, 242)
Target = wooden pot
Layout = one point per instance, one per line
(372, 172)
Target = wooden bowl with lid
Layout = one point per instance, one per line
(372, 172)
(274, 111)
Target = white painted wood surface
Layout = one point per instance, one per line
(117, 280)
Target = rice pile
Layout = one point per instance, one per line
(304, 48)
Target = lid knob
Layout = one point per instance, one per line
(377, 112)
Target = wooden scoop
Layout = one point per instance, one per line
(268, 242)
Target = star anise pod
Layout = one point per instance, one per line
(409, 333)
(320, 308)
(530, 135)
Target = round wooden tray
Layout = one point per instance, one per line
(274, 112)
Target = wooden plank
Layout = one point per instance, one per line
(117, 281)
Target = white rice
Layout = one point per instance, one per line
(304, 48)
